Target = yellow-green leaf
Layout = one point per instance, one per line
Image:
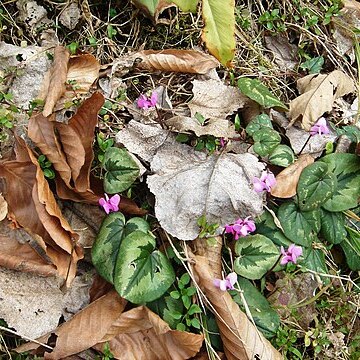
(186, 5)
(219, 30)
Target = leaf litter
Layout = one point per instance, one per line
(185, 184)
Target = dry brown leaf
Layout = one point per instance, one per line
(85, 329)
(239, 335)
(287, 180)
(3, 208)
(54, 83)
(141, 334)
(82, 124)
(211, 252)
(215, 127)
(214, 99)
(34, 207)
(318, 95)
(42, 132)
(21, 256)
(185, 61)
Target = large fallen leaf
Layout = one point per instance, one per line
(29, 303)
(141, 334)
(214, 99)
(215, 127)
(85, 329)
(319, 92)
(186, 5)
(219, 30)
(3, 208)
(34, 207)
(287, 180)
(240, 337)
(54, 84)
(188, 184)
(185, 61)
(17, 254)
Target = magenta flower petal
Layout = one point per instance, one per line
(320, 127)
(153, 98)
(232, 279)
(291, 254)
(221, 284)
(229, 229)
(258, 185)
(142, 102)
(111, 204)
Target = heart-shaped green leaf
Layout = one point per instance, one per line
(258, 92)
(142, 274)
(316, 185)
(256, 255)
(314, 259)
(282, 155)
(333, 226)
(257, 123)
(266, 140)
(351, 247)
(299, 226)
(106, 247)
(121, 170)
(346, 167)
(265, 317)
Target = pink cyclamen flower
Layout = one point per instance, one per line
(240, 228)
(320, 127)
(266, 182)
(144, 102)
(228, 283)
(110, 204)
(291, 254)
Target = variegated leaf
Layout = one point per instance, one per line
(316, 185)
(258, 92)
(333, 226)
(266, 140)
(257, 254)
(300, 227)
(282, 155)
(258, 123)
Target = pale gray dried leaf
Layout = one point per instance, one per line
(70, 16)
(188, 184)
(32, 14)
(32, 64)
(315, 145)
(30, 304)
(215, 127)
(143, 140)
(214, 99)
(3, 208)
(285, 54)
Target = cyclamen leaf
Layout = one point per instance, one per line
(282, 155)
(333, 226)
(105, 249)
(300, 227)
(351, 247)
(266, 140)
(265, 317)
(346, 167)
(314, 259)
(316, 185)
(257, 254)
(257, 123)
(258, 92)
(121, 170)
(142, 274)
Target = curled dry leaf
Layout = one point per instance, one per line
(79, 72)
(29, 303)
(141, 334)
(54, 83)
(17, 254)
(85, 329)
(287, 180)
(319, 93)
(34, 207)
(214, 99)
(185, 61)
(215, 127)
(3, 208)
(153, 8)
(240, 337)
